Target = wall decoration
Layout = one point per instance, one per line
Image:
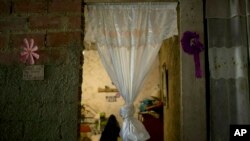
(33, 72)
(111, 98)
(107, 89)
(28, 55)
(191, 44)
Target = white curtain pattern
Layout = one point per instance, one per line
(228, 42)
(128, 38)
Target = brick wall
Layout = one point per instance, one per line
(47, 109)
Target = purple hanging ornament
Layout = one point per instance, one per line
(191, 45)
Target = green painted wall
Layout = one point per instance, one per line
(41, 110)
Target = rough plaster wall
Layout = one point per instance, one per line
(95, 76)
(130, 0)
(170, 55)
(193, 102)
(40, 110)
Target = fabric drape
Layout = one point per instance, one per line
(128, 38)
(228, 45)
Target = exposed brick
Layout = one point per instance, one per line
(17, 39)
(65, 6)
(61, 39)
(49, 57)
(44, 57)
(74, 22)
(27, 6)
(4, 7)
(9, 58)
(3, 58)
(57, 56)
(3, 41)
(10, 23)
(41, 22)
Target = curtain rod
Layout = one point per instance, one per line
(125, 3)
(90, 2)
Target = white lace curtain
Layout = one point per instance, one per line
(128, 38)
(228, 42)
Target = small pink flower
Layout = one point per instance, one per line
(28, 54)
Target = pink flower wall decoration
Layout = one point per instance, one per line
(28, 55)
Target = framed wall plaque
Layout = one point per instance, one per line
(33, 72)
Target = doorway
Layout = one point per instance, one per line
(171, 108)
(96, 97)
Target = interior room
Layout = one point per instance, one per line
(97, 78)
(156, 95)
(96, 99)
